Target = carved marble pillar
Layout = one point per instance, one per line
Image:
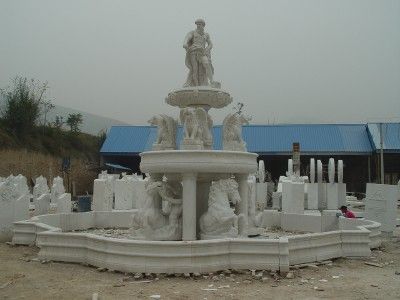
(243, 207)
(189, 206)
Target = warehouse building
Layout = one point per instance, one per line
(358, 145)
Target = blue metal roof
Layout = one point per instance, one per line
(391, 137)
(263, 139)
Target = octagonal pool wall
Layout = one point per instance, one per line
(48, 232)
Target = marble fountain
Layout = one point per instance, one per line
(196, 214)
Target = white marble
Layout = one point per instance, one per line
(261, 171)
(322, 196)
(293, 197)
(261, 195)
(340, 171)
(197, 128)
(220, 221)
(312, 170)
(166, 132)
(352, 239)
(42, 204)
(232, 132)
(139, 194)
(40, 187)
(319, 171)
(381, 205)
(64, 204)
(103, 195)
(312, 196)
(290, 168)
(150, 222)
(124, 193)
(7, 195)
(277, 200)
(57, 189)
(331, 170)
(198, 47)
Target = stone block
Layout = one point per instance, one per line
(64, 204)
(332, 196)
(330, 220)
(277, 200)
(381, 205)
(322, 198)
(261, 195)
(270, 218)
(293, 197)
(102, 195)
(312, 195)
(139, 194)
(21, 208)
(310, 221)
(42, 204)
(123, 194)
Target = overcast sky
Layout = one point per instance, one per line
(299, 61)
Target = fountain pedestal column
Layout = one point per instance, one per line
(243, 207)
(189, 206)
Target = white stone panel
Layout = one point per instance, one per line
(332, 195)
(322, 199)
(341, 194)
(340, 171)
(276, 200)
(102, 195)
(21, 208)
(312, 195)
(312, 170)
(270, 218)
(42, 204)
(64, 204)
(307, 222)
(381, 205)
(293, 197)
(123, 194)
(139, 194)
(331, 170)
(319, 171)
(261, 195)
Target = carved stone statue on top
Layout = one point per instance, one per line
(232, 132)
(197, 126)
(166, 134)
(198, 47)
(220, 220)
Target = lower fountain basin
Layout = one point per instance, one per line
(51, 233)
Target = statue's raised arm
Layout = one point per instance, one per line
(198, 47)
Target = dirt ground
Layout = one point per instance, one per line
(23, 277)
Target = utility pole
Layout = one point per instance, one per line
(382, 165)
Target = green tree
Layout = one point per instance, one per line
(74, 121)
(23, 102)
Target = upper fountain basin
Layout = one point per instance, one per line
(205, 96)
(198, 161)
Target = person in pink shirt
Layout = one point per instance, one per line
(347, 213)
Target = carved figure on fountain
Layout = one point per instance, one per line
(197, 126)
(220, 220)
(198, 47)
(232, 132)
(150, 222)
(166, 134)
